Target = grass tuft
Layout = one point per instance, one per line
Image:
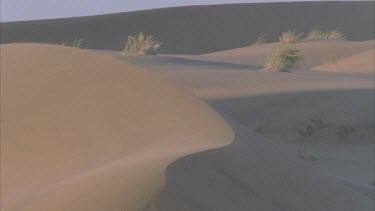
(290, 37)
(320, 35)
(283, 59)
(335, 34)
(141, 45)
(311, 125)
(316, 35)
(260, 41)
(77, 43)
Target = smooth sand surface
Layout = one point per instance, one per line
(253, 174)
(361, 62)
(273, 104)
(201, 29)
(84, 131)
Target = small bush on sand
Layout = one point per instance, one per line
(283, 60)
(311, 125)
(141, 45)
(290, 37)
(345, 130)
(77, 43)
(320, 35)
(261, 40)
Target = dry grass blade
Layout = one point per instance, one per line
(141, 45)
(261, 40)
(290, 37)
(320, 35)
(77, 43)
(335, 34)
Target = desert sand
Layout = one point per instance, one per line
(76, 136)
(273, 103)
(361, 62)
(83, 131)
(200, 126)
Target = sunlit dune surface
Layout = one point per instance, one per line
(361, 62)
(315, 52)
(84, 131)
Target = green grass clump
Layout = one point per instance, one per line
(345, 130)
(77, 43)
(311, 125)
(261, 40)
(290, 37)
(141, 45)
(283, 60)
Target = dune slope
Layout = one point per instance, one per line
(360, 62)
(252, 174)
(315, 52)
(84, 131)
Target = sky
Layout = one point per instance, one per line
(17, 10)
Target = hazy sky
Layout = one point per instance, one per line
(15, 10)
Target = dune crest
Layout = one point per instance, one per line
(81, 131)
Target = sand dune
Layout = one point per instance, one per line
(252, 174)
(315, 52)
(361, 62)
(234, 73)
(201, 29)
(83, 131)
(234, 178)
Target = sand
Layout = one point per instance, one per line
(84, 131)
(201, 29)
(360, 62)
(253, 174)
(315, 52)
(97, 130)
(272, 104)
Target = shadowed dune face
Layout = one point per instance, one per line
(83, 131)
(201, 29)
(252, 174)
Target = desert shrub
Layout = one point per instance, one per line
(290, 37)
(141, 45)
(345, 130)
(311, 125)
(320, 35)
(283, 59)
(261, 40)
(77, 43)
